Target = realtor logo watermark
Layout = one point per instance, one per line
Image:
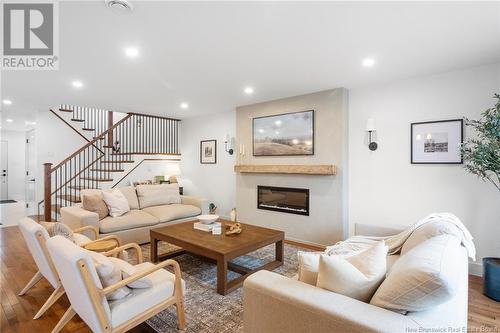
(30, 36)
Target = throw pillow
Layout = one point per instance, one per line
(131, 195)
(156, 195)
(116, 202)
(129, 270)
(426, 276)
(308, 266)
(58, 228)
(94, 203)
(357, 276)
(109, 274)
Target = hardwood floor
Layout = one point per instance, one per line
(17, 268)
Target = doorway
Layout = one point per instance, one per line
(30, 181)
(4, 169)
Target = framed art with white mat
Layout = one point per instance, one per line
(208, 152)
(437, 142)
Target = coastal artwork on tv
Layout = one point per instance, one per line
(284, 134)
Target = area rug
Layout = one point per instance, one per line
(207, 311)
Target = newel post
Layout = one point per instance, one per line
(110, 124)
(47, 181)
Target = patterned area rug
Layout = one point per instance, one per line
(207, 311)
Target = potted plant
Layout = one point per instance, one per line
(481, 155)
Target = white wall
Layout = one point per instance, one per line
(55, 141)
(386, 190)
(326, 222)
(216, 182)
(16, 163)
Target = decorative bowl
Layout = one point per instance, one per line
(207, 219)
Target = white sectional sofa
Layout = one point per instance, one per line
(278, 304)
(134, 226)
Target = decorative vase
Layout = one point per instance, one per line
(233, 215)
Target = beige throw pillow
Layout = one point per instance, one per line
(129, 270)
(116, 202)
(156, 195)
(58, 228)
(94, 203)
(308, 266)
(131, 195)
(109, 274)
(357, 276)
(424, 277)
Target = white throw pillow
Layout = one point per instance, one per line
(116, 202)
(156, 195)
(357, 276)
(424, 277)
(109, 274)
(308, 266)
(128, 270)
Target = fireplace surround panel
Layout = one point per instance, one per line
(283, 199)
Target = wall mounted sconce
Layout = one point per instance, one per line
(370, 128)
(228, 143)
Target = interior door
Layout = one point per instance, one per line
(4, 170)
(30, 182)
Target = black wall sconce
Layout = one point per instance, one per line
(228, 143)
(370, 128)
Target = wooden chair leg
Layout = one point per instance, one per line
(70, 313)
(179, 304)
(34, 280)
(52, 299)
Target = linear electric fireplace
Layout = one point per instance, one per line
(283, 199)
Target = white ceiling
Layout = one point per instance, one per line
(205, 53)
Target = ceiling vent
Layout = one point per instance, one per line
(122, 5)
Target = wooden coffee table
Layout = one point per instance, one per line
(220, 248)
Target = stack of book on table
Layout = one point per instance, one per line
(206, 227)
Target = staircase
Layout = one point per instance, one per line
(109, 153)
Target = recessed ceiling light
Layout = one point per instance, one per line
(184, 105)
(248, 90)
(132, 52)
(30, 123)
(77, 84)
(368, 62)
(9, 120)
(7, 102)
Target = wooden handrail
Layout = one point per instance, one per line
(152, 116)
(91, 143)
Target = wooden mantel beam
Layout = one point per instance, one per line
(324, 169)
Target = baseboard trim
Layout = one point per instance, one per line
(475, 268)
(305, 244)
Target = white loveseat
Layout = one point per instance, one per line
(134, 226)
(275, 303)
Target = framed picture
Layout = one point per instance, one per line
(437, 142)
(208, 152)
(284, 134)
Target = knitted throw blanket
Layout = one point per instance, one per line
(395, 242)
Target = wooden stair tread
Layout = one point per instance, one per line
(97, 179)
(95, 137)
(108, 170)
(65, 110)
(124, 161)
(82, 187)
(79, 120)
(70, 198)
(107, 146)
(88, 129)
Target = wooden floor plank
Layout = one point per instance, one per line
(17, 268)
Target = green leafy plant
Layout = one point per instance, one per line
(481, 153)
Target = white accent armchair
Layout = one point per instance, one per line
(36, 237)
(88, 297)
